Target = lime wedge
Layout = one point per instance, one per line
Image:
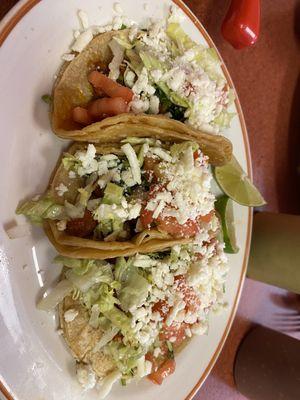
(236, 184)
(224, 208)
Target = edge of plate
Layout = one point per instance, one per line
(7, 25)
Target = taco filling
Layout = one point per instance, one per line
(127, 318)
(144, 184)
(157, 69)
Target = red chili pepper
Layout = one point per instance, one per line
(241, 25)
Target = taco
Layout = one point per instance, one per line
(127, 318)
(130, 194)
(156, 70)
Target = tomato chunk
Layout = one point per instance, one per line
(174, 228)
(176, 331)
(102, 108)
(110, 87)
(165, 370)
(162, 307)
(81, 227)
(82, 116)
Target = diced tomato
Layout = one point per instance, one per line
(110, 87)
(174, 228)
(196, 154)
(81, 227)
(82, 116)
(162, 307)
(165, 370)
(146, 216)
(175, 331)
(105, 107)
(206, 218)
(150, 168)
(189, 295)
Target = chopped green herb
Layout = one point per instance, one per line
(123, 382)
(47, 98)
(123, 27)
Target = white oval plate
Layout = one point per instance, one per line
(34, 361)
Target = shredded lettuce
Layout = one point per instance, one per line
(119, 319)
(38, 210)
(124, 42)
(106, 300)
(79, 266)
(86, 192)
(125, 357)
(113, 194)
(74, 211)
(180, 148)
(134, 292)
(70, 162)
(99, 272)
(135, 287)
(61, 290)
(118, 56)
(223, 120)
(133, 162)
(107, 337)
(177, 34)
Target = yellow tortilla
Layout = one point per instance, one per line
(82, 338)
(72, 87)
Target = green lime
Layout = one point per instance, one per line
(236, 184)
(224, 208)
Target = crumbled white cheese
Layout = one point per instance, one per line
(85, 376)
(133, 162)
(139, 106)
(61, 189)
(76, 34)
(129, 78)
(82, 40)
(70, 315)
(199, 329)
(61, 225)
(157, 351)
(84, 19)
(142, 84)
(68, 57)
(156, 75)
(143, 367)
(133, 31)
(128, 178)
(154, 105)
(159, 209)
(87, 158)
(158, 151)
(72, 174)
(118, 56)
(117, 23)
(178, 306)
